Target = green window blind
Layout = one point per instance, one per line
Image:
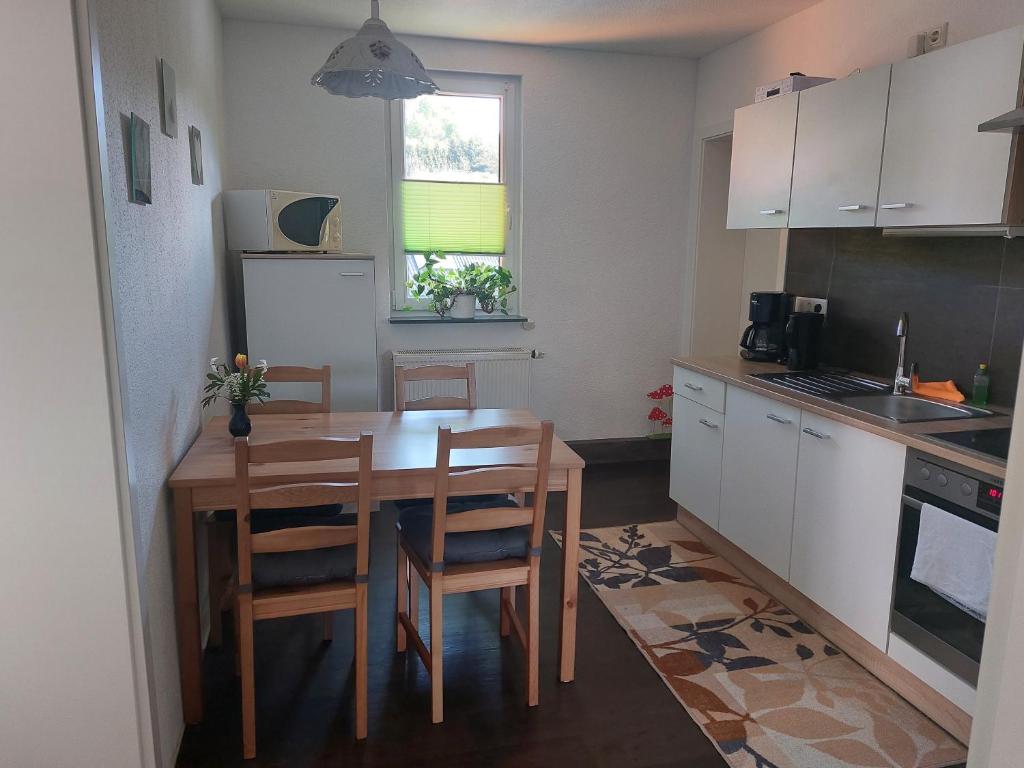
(455, 217)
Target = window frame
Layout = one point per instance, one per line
(510, 174)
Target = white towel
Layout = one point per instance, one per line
(954, 559)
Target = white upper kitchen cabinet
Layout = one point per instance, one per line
(849, 489)
(937, 168)
(762, 437)
(761, 173)
(695, 479)
(839, 151)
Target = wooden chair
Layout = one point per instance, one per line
(220, 574)
(470, 546)
(287, 568)
(465, 373)
(296, 373)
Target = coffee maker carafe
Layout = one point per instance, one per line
(764, 340)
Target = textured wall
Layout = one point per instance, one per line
(605, 164)
(167, 269)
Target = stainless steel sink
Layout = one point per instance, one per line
(909, 408)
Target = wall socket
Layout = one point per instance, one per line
(931, 39)
(804, 304)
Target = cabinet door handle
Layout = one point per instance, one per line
(694, 387)
(778, 419)
(352, 274)
(895, 206)
(815, 433)
(857, 207)
(709, 424)
(771, 211)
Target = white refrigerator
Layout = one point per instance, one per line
(315, 310)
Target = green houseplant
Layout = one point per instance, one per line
(442, 287)
(239, 387)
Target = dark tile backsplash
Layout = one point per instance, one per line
(964, 295)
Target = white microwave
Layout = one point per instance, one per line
(271, 220)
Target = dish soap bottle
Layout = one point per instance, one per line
(979, 395)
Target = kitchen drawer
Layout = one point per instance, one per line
(701, 389)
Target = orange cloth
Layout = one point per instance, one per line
(940, 390)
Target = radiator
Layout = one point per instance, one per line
(502, 374)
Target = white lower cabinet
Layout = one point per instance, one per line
(846, 523)
(759, 461)
(696, 472)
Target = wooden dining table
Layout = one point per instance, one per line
(404, 448)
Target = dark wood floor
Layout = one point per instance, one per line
(617, 713)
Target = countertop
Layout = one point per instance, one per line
(737, 372)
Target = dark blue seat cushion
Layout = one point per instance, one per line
(468, 547)
(306, 567)
(228, 515)
(485, 500)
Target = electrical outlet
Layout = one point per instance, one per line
(804, 304)
(935, 37)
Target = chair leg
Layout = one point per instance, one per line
(533, 635)
(361, 660)
(414, 598)
(214, 576)
(401, 599)
(328, 619)
(436, 590)
(507, 593)
(237, 618)
(245, 634)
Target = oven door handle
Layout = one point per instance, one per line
(913, 503)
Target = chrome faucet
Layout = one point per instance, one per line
(903, 382)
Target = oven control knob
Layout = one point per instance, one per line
(925, 473)
(966, 489)
(942, 480)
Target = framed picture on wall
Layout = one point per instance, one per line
(168, 100)
(195, 146)
(142, 184)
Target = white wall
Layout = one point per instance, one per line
(67, 694)
(607, 141)
(167, 269)
(832, 39)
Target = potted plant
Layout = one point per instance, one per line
(239, 387)
(456, 292)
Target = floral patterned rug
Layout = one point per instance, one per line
(763, 686)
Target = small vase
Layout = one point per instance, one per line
(239, 424)
(464, 307)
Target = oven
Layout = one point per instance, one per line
(939, 626)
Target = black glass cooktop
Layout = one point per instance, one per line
(993, 442)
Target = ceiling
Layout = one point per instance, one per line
(671, 27)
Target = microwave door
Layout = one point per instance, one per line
(302, 222)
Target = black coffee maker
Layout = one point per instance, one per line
(803, 340)
(764, 340)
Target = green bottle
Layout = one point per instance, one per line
(979, 395)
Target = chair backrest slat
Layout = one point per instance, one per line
(305, 537)
(490, 519)
(321, 449)
(296, 373)
(300, 495)
(492, 480)
(308, 495)
(497, 437)
(466, 373)
(529, 477)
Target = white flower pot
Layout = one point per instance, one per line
(464, 307)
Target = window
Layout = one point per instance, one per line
(455, 179)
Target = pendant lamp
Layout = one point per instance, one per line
(374, 63)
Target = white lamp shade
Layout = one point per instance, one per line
(374, 63)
